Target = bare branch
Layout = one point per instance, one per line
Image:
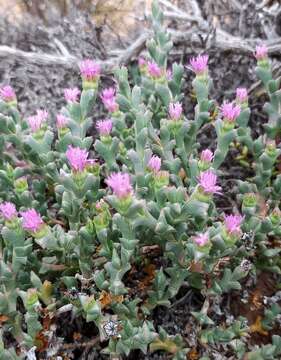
(70, 61)
(134, 49)
(38, 58)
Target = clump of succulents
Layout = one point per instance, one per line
(77, 213)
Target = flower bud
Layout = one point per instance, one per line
(154, 164)
(232, 223)
(9, 213)
(62, 121)
(104, 128)
(102, 219)
(206, 158)
(93, 167)
(32, 300)
(7, 94)
(142, 64)
(249, 203)
(90, 73)
(199, 65)
(275, 217)
(120, 184)
(71, 95)
(231, 229)
(271, 149)
(242, 96)
(122, 149)
(203, 244)
(154, 70)
(108, 98)
(21, 185)
(77, 158)
(230, 113)
(33, 223)
(201, 239)
(169, 74)
(207, 182)
(38, 124)
(261, 54)
(175, 111)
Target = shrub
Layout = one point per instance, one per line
(78, 217)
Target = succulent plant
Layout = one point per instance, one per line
(78, 213)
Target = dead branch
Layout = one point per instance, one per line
(69, 61)
(133, 50)
(38, 58)
(198, 29)
(76, 345)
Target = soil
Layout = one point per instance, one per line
(85, 35)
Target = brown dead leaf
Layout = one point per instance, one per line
(221, 263)
(256, 300)
(77, 336)
(41, 342)
(47, 321)
(117, 298)
(147, 280)
(257, 327)
(263, 207)
(106, 299)
(3, 318)
(182, 174)
(193, 354)
(196, 267)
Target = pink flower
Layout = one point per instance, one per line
(31, 220)
(141, 62)
(109, 99)
(7, 93)
(42, 114)
(261, 52)
(104, 127)
(199, 64)
(206, 156)
(62, 121)
(71, 95)
(77, 158)
(169, 74)
(207, 181)
(154, 163)
(108, 93)
(8, 210)
(153, 69)
(35, 122)
(241, 95)
(90, 70)
(120, 184)
(175, 111)
(201, 239)
(233, 223)
(230, 112)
